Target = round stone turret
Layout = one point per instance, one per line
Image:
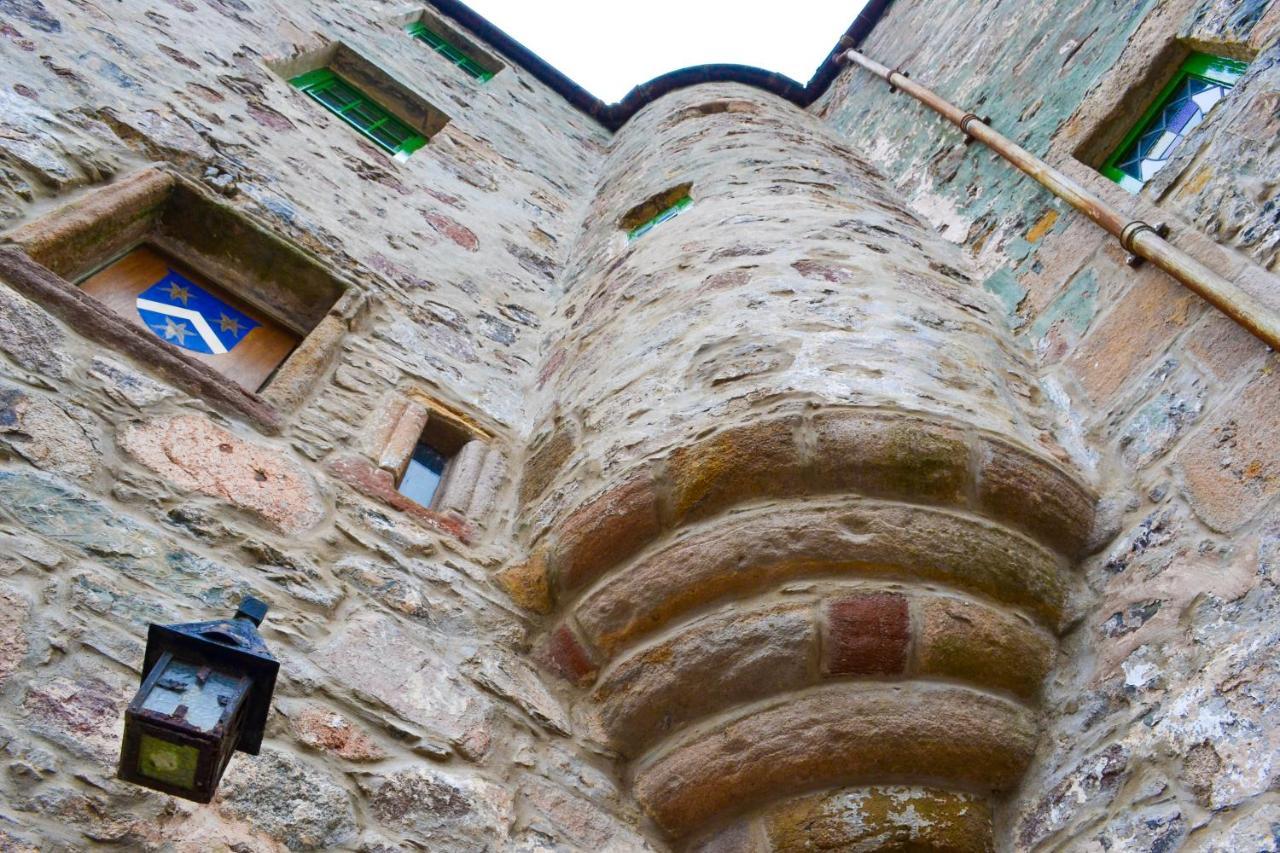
(794, 513)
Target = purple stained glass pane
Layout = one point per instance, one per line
(1154, 147)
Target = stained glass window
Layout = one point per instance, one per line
(440, 45)
(358, 110)
(1201, 82)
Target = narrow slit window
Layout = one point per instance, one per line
(656, 209)
(361, 112)
(1200, 83)
(448, 50)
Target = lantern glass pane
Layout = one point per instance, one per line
(207, 694)
(172, 763)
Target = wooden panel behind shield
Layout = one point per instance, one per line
(249, 363)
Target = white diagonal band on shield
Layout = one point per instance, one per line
(195, 317)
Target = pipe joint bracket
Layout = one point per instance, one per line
(967, 120)
(1130, 232)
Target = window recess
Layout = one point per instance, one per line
(655, 210)
(450, 51)
(360, 111)
(191, 287)
(1200, 83)
(428, 461)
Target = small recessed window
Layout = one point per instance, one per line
(423, 474)
(650, 213)
(360, 111)
(1200, 83)
(443, 46)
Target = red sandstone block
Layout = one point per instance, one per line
(606, 530)
(564, 654)
(1016, 486)
(867, 635)
(373, 482)
(737, 465)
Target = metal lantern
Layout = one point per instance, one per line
(206, 689)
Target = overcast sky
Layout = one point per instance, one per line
(608, 47)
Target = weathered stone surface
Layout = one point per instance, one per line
(561, 813)
(544, 463)
(303, 807)
(563, 653)
(444, 812)
(30, 337)
(1036, 496)
(1231, 466)
(1154, 309)
(737, 465)
(124, 383)
(512, 679)
(333, 733)
(710, 665)
(894, 818)
(886, 457)
(528, 583)
(608, 528)
(194, 454)
(751, 552)
(971, 641)
(81, 712)
(62, 514)
(377, 657)
(15, 614)
(46, 434)
(838, 735)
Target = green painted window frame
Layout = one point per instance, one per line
(1215, 69)
(672, 211)
(360, 111)
(442, 46)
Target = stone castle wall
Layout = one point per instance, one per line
(1160, 733)
(809, 534)
(773, 541)
(405, 713)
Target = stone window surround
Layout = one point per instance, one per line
(43, 259)
(465, 44)
(372, 79)
(1148, 62)
(467, 492)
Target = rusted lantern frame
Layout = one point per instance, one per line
(231, 647)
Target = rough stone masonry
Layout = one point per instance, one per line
(872, 503)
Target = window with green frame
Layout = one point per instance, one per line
(442, 46)
(668, 213)
(360, 111)
(1201, 82)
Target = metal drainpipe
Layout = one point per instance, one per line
(1136, 237)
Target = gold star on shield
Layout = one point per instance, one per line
(226, 324)
(175, 331)
(178, 293)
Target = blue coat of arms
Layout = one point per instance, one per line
(180, 312)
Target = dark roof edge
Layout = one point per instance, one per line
(614, 116)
